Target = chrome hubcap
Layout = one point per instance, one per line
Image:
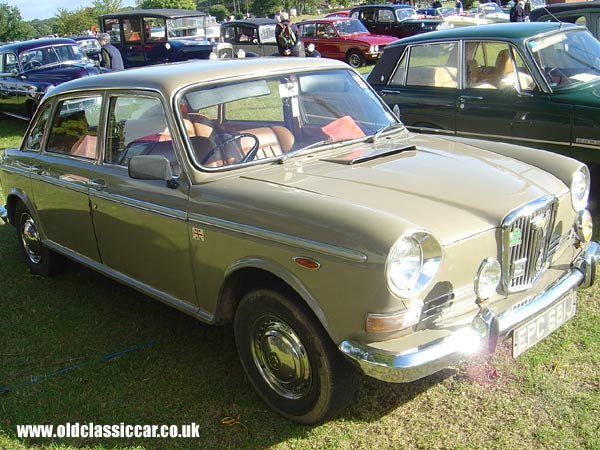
(281, 357)
(31, 239)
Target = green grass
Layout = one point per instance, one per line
(11, 132)
(549, 398)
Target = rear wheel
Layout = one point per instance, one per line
(41, 260)
(289, 358)
(355, 59)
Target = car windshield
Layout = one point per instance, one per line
(406, 13)
(348, 27)
(567, 58)
(274, 117)
(89, 44)
(51, 55)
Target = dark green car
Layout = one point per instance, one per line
(535, 84)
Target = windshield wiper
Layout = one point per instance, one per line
(328, 141)
(379, 132)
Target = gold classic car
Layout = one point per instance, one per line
(282, 196)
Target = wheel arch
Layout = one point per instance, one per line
(12, 200)
(254, 274)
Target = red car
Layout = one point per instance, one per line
(343, 38)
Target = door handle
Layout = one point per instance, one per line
(464, 98)
(38, 170)
(99, 185)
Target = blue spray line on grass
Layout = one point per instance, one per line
(87, 363)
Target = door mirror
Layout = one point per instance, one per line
(150, 167)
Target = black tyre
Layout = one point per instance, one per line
(41, 260)
(289, 358)
(355, 59)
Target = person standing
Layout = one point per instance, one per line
(286, 35)
(111, 56)
(517, 12)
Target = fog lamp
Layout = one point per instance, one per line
(488, 278)
(584, 226)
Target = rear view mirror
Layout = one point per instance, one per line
(151, 167)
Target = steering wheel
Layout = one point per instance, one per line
(219, 147)
(557, 73)
(34, 63)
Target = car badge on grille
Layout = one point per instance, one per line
(515, 237)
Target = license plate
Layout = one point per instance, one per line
(532, 332)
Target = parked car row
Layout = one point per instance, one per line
(286, 199)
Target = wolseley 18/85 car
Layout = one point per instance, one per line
(256, 192)
(29, 69)
(534, 84)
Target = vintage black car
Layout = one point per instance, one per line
(395, 20)
(155, 36)
(256, 37)
(29, 69)
(579, 13)
(534, 84)
(91, 47)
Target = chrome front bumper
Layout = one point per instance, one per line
(485, 330)
(4, 213)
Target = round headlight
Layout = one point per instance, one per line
(488, 278)
(412, 263)
(580, 188)
(404, 265)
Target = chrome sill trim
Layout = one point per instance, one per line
(281, 238)
(175, 302)
(428, 359)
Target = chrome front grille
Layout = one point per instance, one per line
(526, 241)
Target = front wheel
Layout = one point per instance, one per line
(41, 260)
(355, 59)
(289, 358)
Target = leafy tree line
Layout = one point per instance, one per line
(73, 22)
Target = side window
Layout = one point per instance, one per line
(229, 34)
(323, 30)
(307, 30)
(399, 75)
(369, 15)
(385, 15)
(112, 27)
(9, 63)
(34, 141)
(495, 65)
(74, 127)
(433, 65)
(132, 30)
(154, 29)
(138, 126)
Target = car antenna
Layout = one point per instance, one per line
(554, 17)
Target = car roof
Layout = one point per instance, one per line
(381, 5)
(169, 78)
(167, 13)
(505, 31)
(35, 43)
(328, 19)
(252, 22)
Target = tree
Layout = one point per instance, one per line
(106, 6)
(76, 22)
(177, 4)
(265, 8)
(219, 11)
(12, 25)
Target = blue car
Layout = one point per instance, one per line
(29, 69)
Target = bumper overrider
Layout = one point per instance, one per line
(486, 330)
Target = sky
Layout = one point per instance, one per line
(44, 9)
